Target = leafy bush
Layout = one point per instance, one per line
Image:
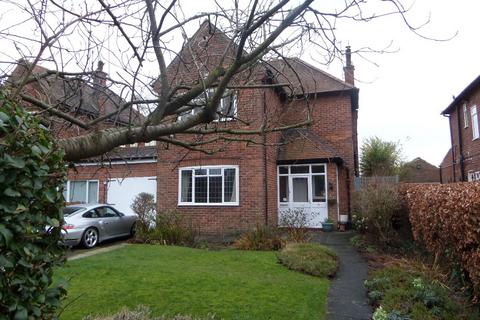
(380, 158)
(310, 258)
(405, 294)
(377, 209)
(296, 222)
(31, 171)
(171, 228)
(445, 219)
(143, 313)
(145, 207)
(260, 238)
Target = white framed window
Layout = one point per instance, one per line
(152, 143)
(83, 191)
(474, 115)
(227, 107)
(465, 116)
(208, 185)
(305, 183)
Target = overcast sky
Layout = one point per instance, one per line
(401, 98)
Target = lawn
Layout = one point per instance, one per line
(171, 280)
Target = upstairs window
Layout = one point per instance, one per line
(475, 132)
(465, 116)
(227, 107)
(212, 185)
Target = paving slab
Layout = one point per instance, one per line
(347, 297)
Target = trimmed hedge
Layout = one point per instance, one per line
(446, 219)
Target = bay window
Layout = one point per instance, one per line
(209, 185)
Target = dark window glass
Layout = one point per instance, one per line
(318, 169)
(90, 214)
(215, 171)
(318, 186)
(215, 189)
(201, 189)
(283, 189)
(300, 189)
(71, 210)
(186, 186)
(200, 172)
(283, 170)
(106, 212)
(300, 169)
(229, 185)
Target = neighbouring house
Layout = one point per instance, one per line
(245, 183)
(462, 161)
(420, 171)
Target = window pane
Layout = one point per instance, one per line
(200, 172)
(215, 171)
(186, 184)
(230, 185)
(200, 189)
(283, 170)
(215, 189)
(318, 169)
(283, 189)
(300, 189)
(318, 186)
(78, 191)
(65, 194)
(300, 169)
(92, 192)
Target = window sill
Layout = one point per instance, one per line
(208, 204)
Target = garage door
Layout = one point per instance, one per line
(122, 192)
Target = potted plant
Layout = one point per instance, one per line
(327, 225)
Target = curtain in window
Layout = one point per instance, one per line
(78, 191)
(230, 192)
(92, 192)
(186, 189)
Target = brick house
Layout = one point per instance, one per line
(245, 183)
(420, 171)
(462, 161)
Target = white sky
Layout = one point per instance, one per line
(402, 93)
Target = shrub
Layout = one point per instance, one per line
(445, 219)
(377, 209)
(145, 207)
(295, 222)
(310, 258)
(31, 172)
(143, 313)
(260, 238)
(406, 294)
(171, 228)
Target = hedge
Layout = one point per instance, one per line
(446, 219)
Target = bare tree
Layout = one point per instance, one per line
(140, 41)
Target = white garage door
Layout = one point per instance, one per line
(122, 192)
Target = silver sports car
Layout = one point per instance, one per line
(90, 224)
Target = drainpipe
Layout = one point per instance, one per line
(451, 148)
(349, 195)
(338, 193)
(264, 140)
(460, 146)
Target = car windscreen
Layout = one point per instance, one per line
(67, 211)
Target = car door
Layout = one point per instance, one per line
(110, 221)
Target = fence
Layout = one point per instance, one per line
(361, 182)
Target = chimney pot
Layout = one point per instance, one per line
(349, 69)
(99, 76)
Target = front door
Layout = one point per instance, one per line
(303, 187)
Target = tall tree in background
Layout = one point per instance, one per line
(380, 158)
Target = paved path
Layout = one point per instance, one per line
(79, 254)
(347, 297)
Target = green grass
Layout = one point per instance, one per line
(309, 258)
(175, 280)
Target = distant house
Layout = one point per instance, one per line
(420, 171)
(462, 162)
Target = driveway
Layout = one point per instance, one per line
(108, 245)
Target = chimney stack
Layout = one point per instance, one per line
(349, 69)
(100, 77)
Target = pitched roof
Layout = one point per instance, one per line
(475, 84)
(75, 95)
(304, 78)
(304, 144)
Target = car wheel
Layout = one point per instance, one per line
(90, 238)
(133, 229)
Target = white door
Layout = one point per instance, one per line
(303, 187)
(122, 192)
